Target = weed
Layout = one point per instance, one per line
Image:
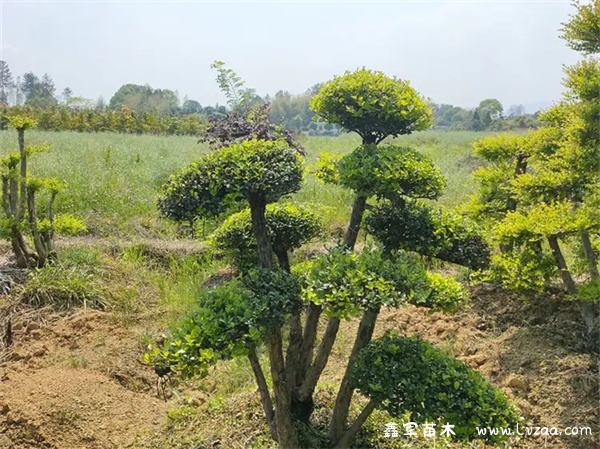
(78, 362)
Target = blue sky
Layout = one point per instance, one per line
(457, 52)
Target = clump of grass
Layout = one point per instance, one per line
(78, 362)
(67, 283)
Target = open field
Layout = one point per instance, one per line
(113, 179)
(74, 377)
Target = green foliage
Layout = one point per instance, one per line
(253, 167)
(326, 168)
(290, 226)
(390, 171)
(503, 147)
(345, 284)
(232, 86)
(523, 270)
(543, 220)
(446, 293)
(372, 105)
(20, 121)
(429, 231)
(67, 224)
(228, 318)
(589, 291)
(408, 375)
(125, 120)
(582, 32)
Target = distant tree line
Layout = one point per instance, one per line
(63, 118)
(488, 116)
(161, 111)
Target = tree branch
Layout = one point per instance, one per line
(348, 436)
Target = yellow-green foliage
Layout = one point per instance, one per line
(62, 118)
(373, 105)
(325, 169)
(543, 220)
(67, 224)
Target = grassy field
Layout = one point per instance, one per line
(113, 179)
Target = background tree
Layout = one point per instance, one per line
(515, 110)
(7, 83)
(66, 94)
(145, 99)
(191, 107)
(38, 92)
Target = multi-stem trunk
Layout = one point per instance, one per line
(311, 372)
(286, 433)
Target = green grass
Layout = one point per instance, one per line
(113, 179)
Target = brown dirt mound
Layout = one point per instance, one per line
(76, 382)
(60, 408)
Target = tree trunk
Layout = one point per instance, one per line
(258, 206)
(590, 256)
(358, 210)
(265, 396)
(40, 247)
(292, 358)
(313, 313)
(20, 256)
(344, 397)
(590, 310)
(344, 442)
(565, 274)
(283, 259)
(287, 436)
(511, 203)
(314, 371)
(23, 180)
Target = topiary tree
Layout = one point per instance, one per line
(235, 318)
(258, 172)
(19, 192)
